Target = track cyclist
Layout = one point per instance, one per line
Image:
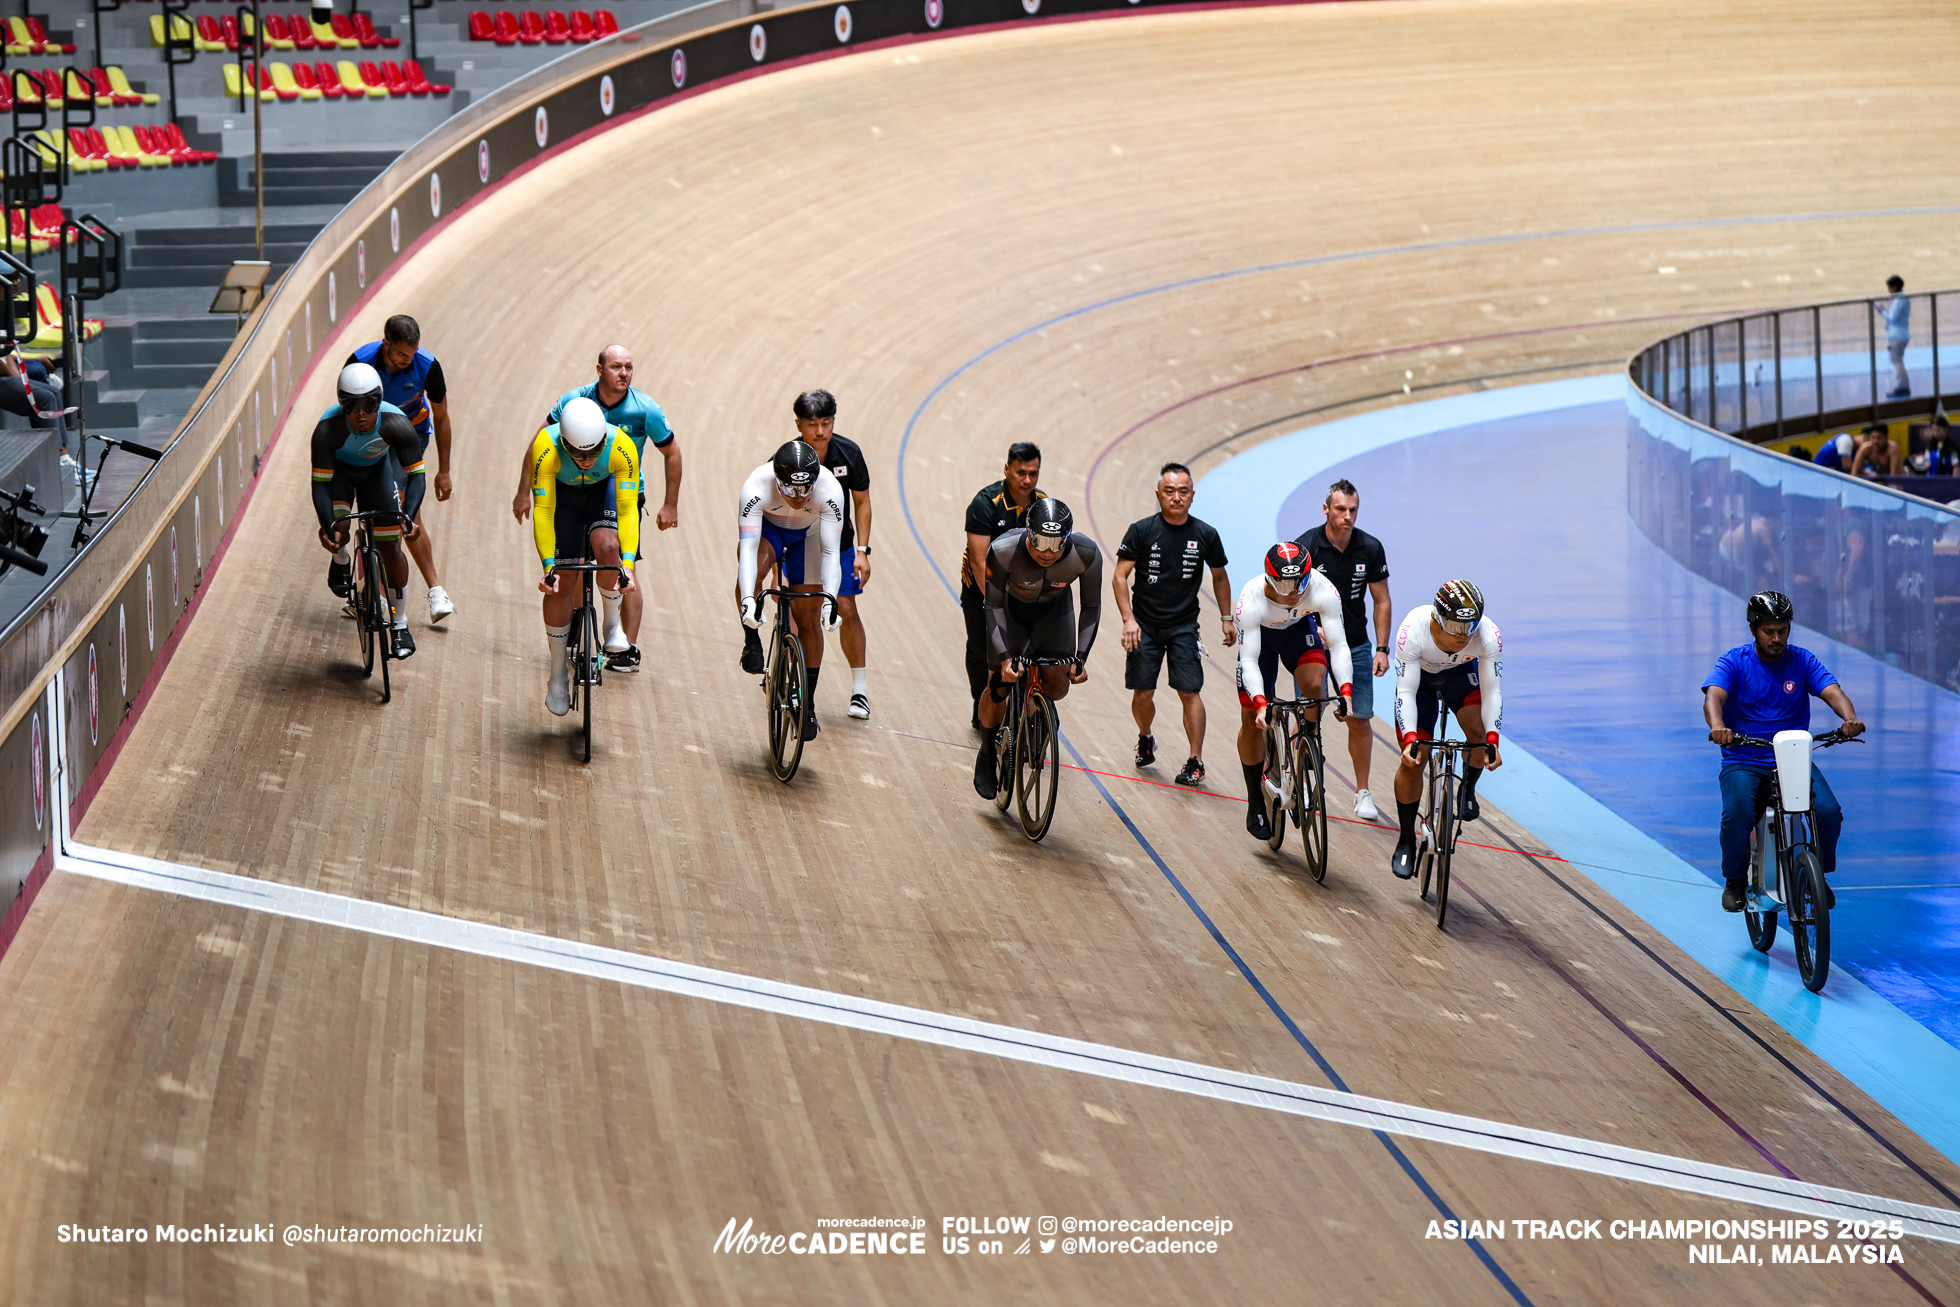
(1758, 689)
(635, 412)
(781, 501)
(1448, 655)
(366, 454)
(1290, 615)
(585, 504)
(1029, 608)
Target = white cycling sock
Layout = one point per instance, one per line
(857, 682)
(557, 636)
(344, 556)
(609, 601)
(401, 608)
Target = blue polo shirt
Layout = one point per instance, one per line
(1765, 698)
(410, 390)
(636, 412)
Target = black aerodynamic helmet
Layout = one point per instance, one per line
(1050, 525)
(1769, 606)
(796, 468)
(1286, 566)
(1459, 606)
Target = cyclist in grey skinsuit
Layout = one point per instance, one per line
(1031, 613)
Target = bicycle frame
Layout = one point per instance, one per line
(584, 647)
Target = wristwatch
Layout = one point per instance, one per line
(1381, 648)
(865, 550)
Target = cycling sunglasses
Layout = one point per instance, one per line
(794, 492)
(1284, 585)
(366, 404)
(1455, 628)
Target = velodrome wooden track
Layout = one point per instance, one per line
(870, 224)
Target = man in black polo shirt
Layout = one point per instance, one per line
(995, 511)
(1168, 553)
(1358, 566)
(816, 418)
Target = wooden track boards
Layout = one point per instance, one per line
(176, 1061)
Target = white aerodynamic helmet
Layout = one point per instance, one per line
(358, 381)
(582, 424)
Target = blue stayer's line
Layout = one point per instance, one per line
(1299, 1036)
(1899, 1062)
(1421, 247)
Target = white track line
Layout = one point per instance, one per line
(948, 1031)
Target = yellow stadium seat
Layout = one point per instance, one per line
(284, 81)
(350, 79)
(324, 34)
(119, 83)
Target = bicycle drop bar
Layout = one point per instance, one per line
(788, 595)
(1824, 741)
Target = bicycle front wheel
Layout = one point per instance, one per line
(1810, 919)
(381, 613)
(1445, 836)
(1038, 765)
(588, 674)
(1273, 785)
(788, 683)
(363, 628)
(1310, 801)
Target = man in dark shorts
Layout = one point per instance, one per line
(367, 458)
(1168, 553)
(996, 510)
(816, 419)
(1358, 566)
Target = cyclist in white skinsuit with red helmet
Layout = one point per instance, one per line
(1291, 615)
(780, 502)
(1448, 655)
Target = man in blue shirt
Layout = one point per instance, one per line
(1759, 689)
(412, 381)
(633, 409)
(1837, 453)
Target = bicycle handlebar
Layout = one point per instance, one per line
(587, 567)
(1825, 741)
(1301, 705)
(372, 515)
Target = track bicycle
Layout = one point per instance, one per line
(585, 650)
(1295, 783)
(1785, 873)
(373, 612)
(1437, 824)
(786, 676)
(1028, 752)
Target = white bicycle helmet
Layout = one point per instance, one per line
(582, 424)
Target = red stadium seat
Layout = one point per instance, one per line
(228, 29)
(175, 136)
(303, 75)
(482, 28)
(530, 27)
(582, 29)
(40, 34)
(556, 30)
(418, 81)
(329, 79)
(391, 77)
(604, 22)
(506, 27)
(364, 29)
(344, 29)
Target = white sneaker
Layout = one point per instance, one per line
(1364, 806)
(616, 641)
(558, 695)
(439, 604)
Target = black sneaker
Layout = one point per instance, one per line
(1256, 824)
(751, 652)
(1193, 773)
(986, 783)
(624, 662)
(1734, 894)
(1403, 864)
(404, 643)
(1467, 807)
(340, 578)
(810, 726)
(1146, 750)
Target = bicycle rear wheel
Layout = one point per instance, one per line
(1273, 785)
(1445, 835)
(789, 679)
(1038, 765)
(1761, 925)
(1810, 920)
(1310, 801)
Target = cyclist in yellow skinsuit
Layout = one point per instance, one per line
(585, 504)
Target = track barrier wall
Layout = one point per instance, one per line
(112, 616)
(1864, 564)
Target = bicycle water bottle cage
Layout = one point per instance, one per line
(1792, 750)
